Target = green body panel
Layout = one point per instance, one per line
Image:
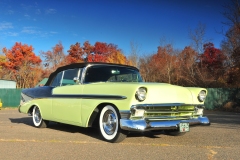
(78, 110)
(45, 107)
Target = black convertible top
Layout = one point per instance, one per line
(81, 65)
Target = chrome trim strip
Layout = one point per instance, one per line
(88, 96)
(143, 125)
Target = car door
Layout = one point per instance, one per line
(66, 97)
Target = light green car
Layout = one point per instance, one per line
(115, 99)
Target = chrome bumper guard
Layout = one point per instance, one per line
(144, 125)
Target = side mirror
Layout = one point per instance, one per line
(76, 80)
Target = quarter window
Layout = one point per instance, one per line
(57, 80)
(67, 77)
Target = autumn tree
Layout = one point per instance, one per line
(88, 49)
(200, 70)
(115, 55)
(146, 71)
(160, 67)
(212, 58)
(55, 58)
(231, 43)
(163, 63)
(75, 53)
(4, 73)
(198, 37)
(134, 54)
(22, 64)
(187, 67)
(99, 52)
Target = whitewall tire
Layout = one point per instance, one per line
(109, 125)
(37, 118)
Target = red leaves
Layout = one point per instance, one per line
(75, 53)
(22, 65)
(212, 57)
(54, 58)
(20, 55)
(100, 52)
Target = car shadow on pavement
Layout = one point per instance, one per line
(95, 133)
(24, 120)
(148, 134)
(91, 132)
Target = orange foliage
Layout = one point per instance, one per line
(117, 57)
(100, 52)
(20, 55)
(163, 64)
(75, 53)
(22, 62)
(55, 58)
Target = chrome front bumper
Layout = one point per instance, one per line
(143, 125)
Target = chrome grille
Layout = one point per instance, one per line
(164, 112)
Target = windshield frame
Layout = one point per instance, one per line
(87, 69)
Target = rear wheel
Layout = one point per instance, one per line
(37, 118)
(109, 125)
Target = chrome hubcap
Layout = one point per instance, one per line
(109, 122)
(37, 116)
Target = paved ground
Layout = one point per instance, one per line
(20, 140)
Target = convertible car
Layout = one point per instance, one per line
(115, 99)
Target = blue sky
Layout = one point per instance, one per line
(43, 23)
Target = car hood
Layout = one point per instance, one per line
(166, 93)
(156, 92)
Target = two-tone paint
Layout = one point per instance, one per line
(165, 105)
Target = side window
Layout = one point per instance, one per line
(66, 77)
(69, 75)
(57, 81)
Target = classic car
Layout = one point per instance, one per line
(114, 98)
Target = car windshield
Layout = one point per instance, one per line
(112, 74)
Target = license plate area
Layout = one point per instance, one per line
(184, 127)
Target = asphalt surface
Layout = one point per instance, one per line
(20, 140)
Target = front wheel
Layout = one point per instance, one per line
(109, 125)
(37, 118)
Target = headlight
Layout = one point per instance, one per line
(202, 96)
(141, 94)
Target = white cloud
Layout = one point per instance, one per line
(10, 12)
(29, 30)
(38, 11)
(13, 34)
(5, 25)
(26, 16)
(26, 7)
(53, 32)
(50, 11)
